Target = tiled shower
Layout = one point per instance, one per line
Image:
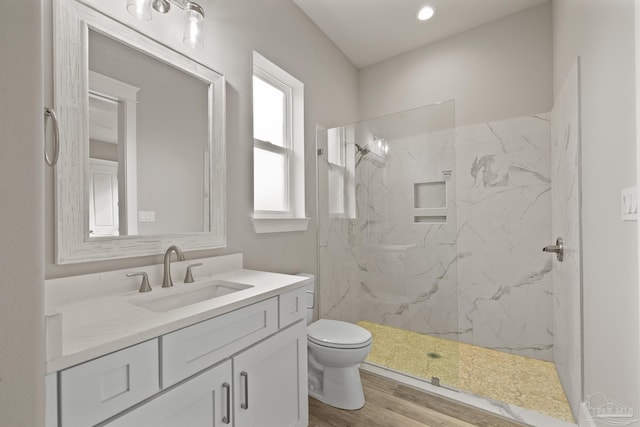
(434, 228)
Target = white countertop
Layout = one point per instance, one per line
(93, 327)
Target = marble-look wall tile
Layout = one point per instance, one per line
(565, 170)
(503, 185)
(410, 278)
(480, 276)
(338, 259)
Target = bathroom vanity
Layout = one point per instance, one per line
(117, 357)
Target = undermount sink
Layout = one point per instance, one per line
(187, 295)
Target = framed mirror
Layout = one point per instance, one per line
(142, 160)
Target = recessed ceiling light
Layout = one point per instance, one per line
(425, 13)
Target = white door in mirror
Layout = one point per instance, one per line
(103, 198)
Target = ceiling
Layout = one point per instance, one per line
(369, 31)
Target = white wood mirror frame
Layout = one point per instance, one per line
(72, 21)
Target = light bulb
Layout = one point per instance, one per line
(425, 13)
(141, 9)
(194, 21)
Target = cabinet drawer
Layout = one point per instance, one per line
(192, 349)
(100, 388)
(293, 306)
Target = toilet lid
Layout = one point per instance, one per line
(334, 333)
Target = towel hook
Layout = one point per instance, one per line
(48, 112)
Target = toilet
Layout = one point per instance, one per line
(335, 351)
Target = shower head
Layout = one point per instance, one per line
(375, 151)
(362, 150)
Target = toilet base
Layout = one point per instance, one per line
(340, 388)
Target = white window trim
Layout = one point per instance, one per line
(294, 219)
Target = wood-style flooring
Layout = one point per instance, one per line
(391, 404)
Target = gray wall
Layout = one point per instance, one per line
(496, 71)
(602, 34)
(22, 194)
(282, 33)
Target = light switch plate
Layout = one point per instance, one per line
(629, 204)
(146, 216)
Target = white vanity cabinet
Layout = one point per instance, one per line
(270, 381)
(243, 368)
(267, 382)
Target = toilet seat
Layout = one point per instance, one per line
(337, 334)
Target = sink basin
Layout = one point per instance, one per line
(188, 295)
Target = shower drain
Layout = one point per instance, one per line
(434, 355)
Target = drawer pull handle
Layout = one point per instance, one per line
(227, 418)
(245, 378)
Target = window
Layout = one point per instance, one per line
(272, 145)
(341, 172)
(337, 169)
(278, 149)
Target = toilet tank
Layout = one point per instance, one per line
(311, 297)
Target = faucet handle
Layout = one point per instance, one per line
(188, 277)
(144, 286)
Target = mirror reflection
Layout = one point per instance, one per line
(148, 156)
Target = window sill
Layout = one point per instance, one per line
(279, 225)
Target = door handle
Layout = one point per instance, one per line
(558, 249)
(245, 378)
(227, 418)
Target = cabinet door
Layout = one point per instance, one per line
(270, 381)
(203, 401)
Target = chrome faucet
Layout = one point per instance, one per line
(166, 280)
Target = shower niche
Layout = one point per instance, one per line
(430, 202)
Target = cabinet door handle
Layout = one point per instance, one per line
(245, 378)
(227, 418)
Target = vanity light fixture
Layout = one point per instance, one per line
(425, 13)
(141, 9)
(193, 16)
(383, 145)
(193, 20)
(161, 6)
